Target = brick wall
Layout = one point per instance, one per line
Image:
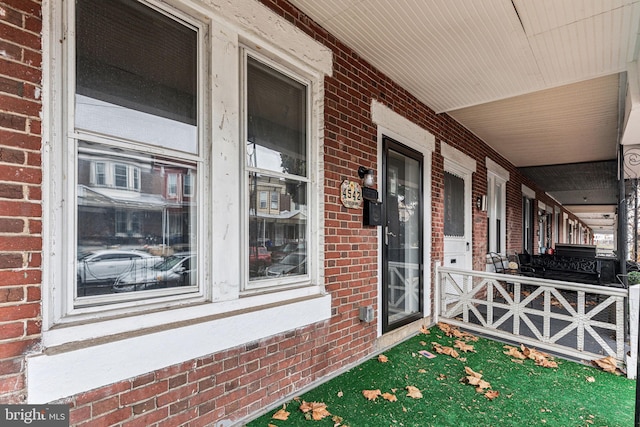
(240, 381)
(20, 194)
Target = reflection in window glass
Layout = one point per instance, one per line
(279, 232)
(122, 235)
(276, 124)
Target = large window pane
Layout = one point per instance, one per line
(453, 205)
(133, 239)
(276, 121)
(277, 231)
(136, 74)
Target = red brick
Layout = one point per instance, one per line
(11, 225)
(12, 121)
(14, 139)
(10, 260)
(11, 366)
(21, 243)
(112, 418)
(12, 330)
(11, 294)
(19, 311)
(102, 393)
(106, 405)
(16, 348)
(143, 393)
(27, 277)
(148, 419)
(22, 174)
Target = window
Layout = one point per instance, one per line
(276, 126)
(187, 186)
(263, 199)
(453, 205)
(136, 120)
(100, 174)
(497, 178)
(172, 184)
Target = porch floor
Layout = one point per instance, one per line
(571, 394)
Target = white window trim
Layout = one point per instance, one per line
(497, 177)
(399, 128)
(72, 350)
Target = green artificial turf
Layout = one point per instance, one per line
(529, 395)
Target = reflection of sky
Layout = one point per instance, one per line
(264, 158)
(111, 119)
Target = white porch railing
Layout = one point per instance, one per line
(574, 319)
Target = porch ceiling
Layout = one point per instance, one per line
(536, 80)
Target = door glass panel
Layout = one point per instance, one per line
(453, 205)
(403, 237)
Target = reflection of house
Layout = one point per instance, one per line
(125, 201)
(274, 215)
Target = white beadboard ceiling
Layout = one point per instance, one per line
(537, 80)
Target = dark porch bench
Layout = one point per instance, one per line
(567, 268)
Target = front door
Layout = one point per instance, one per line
(457, 218)
(402, 254)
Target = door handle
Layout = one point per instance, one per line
(467, 246)
(387, 233)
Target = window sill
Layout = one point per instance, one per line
(83, 357)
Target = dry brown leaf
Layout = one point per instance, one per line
(337, 421)
(390, 397)
(318, 410)
(340, 393)
(607, 364)
(424, 330)
(514, 352)
(441, 377)
(445, 327)
(281, 415)
(492, 394)
(449, 351)
(463, 346)
(422, 371)
(413, 392)
(475, 378)
(371, 394)
(271, 425)
(382, 358)
(546, 363)
(423, 343)
(591, 379)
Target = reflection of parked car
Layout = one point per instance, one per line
(278, 254)
(259, 258)
(175, 270)
(106, 265)
(294, 263)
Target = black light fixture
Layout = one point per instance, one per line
(366, 175)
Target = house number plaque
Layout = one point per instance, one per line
(351, 194)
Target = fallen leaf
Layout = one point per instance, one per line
(413, 392)
(424, 330)
(390, 397)
(441, 377)
(492, 394)
(423, 343)
(607, 364)
(337, 421)
(463, 346)
(475, 378)
(445, 327)
(382, 358)
(445, 350)
(591, 379)
(281, 415)
(271, 425)
(318, 410)
(514, 352)
(422, 371)
(371, 394)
